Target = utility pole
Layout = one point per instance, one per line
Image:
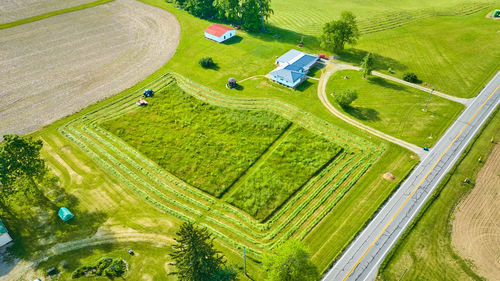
(262, 16)
(428, 99)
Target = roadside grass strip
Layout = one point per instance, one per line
(296, 217)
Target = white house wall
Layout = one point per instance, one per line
(227, 35)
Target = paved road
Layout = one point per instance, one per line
(330, 69)
(362, 258)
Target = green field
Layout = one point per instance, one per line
(450, 45)
(426, 252)
(293, 162)
(207, 146)
(127, 186)
(395, 109)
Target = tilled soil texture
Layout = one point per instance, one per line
(476, 227)
(54, 67)
(12, 10)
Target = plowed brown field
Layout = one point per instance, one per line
(54, 67)
(476, 227)
(12, 10)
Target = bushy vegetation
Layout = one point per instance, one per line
(246, 13)
(207, 146)
(103, 267)
(300, 155)
(337, 33)
(206, 62)
(410, 77)
(346, 97)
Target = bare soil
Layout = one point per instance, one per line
(476, 227)
(12, 10)
(54, 67)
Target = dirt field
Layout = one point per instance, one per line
(57, 66)
(12, 10)
(476, 229)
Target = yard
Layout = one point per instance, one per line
(394, 108)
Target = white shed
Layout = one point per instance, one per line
(219, 33)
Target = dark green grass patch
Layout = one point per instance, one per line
(299, 156)
(205, 145)
(395, 109)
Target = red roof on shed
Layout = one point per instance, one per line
(218, 29)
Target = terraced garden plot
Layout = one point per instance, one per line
(207, 146)
(297, 217)
(289, 166)
(54, 67)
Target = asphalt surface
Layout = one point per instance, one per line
(362, 258)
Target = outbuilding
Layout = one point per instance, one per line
(219, 33)
(65, 214)
(4, 235)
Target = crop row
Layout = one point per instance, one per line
(89, 124)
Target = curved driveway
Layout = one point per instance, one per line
(361, 259)
(330, 69)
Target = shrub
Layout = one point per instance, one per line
(346, 97)
(410, 77)
(206, 62)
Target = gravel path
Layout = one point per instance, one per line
(476, 230)
(54, 67)
(332, 68)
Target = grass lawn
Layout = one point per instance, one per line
(448, 48)
(149, 262)
(395, 109)
(207, 146)
(426, 253)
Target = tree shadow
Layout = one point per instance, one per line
(355, 56)
(386, 83)
(233, 40)
(362, 113)
(214, 66)
(277, 34)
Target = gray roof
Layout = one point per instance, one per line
(306, 61)
(287, 75)
(288, 56)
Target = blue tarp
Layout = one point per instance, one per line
(65, 214)
(2, 228)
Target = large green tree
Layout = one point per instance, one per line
(367, 65)
(228, 10)
(195, 257)
(20, 162)
(337, 33)
(200, 8)
(290, 262)
(252, 12)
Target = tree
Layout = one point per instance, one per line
(20, 156)
(367, 65)
(200, 8)
(227, 10)
(206, 62)
(410, 77)
(253, 11)
(346, 97)
(337, 33)
(195, 256)
(290, 262)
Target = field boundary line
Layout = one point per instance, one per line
(53, 13)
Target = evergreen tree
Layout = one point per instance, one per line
(367, 65)
(195, 256)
